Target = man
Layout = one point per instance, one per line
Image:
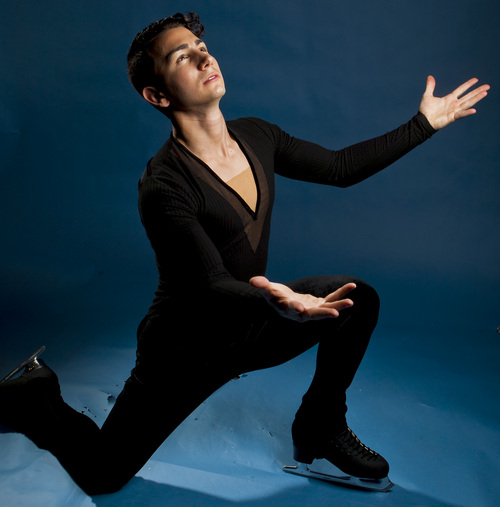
(205, 201)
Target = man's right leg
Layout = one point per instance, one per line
(103, 460)
(141, 420)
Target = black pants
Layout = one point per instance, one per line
(178, 370)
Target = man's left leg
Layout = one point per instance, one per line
(320, 429)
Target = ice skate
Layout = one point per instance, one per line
(22, 396)
(29, 364)
(342, 460)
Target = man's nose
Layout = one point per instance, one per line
(205, 60)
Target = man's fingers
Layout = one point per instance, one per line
(261, 282)
(318, 314)
(339, 305)
(328, 310)
(340, 293)
(464, 87)
(464, 114)
(474, 97)
(430, 85)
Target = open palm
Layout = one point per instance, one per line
(441, 111)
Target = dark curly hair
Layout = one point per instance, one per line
(140, 63)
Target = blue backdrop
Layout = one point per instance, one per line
(76, 267)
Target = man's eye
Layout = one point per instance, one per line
(182, 57)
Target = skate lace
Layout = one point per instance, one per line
(349, 443)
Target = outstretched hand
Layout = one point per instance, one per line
(303, 307)
(441, 111)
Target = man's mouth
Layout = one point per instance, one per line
(211, 78)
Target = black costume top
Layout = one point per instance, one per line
(205, 236)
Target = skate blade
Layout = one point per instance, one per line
(29, 364)
(323, 470)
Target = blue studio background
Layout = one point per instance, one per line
(77, 271)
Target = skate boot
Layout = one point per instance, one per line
(22, 396)
(341, 459)
(29, 364)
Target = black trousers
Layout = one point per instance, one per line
(178, 368)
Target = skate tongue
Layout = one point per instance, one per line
(353, 446)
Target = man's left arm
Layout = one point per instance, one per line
(307, 161)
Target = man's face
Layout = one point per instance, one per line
(190, 76)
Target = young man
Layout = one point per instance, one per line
(205, 201)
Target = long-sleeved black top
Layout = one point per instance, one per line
(205, 236)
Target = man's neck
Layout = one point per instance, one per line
(203, 134)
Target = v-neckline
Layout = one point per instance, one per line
(253, 213)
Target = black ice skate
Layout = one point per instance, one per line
(341, 460)
(29, 364)
(24, 396)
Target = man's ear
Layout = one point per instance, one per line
(155, 97)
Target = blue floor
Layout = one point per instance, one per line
(428, 401)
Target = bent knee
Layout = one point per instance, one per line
(365, 292)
